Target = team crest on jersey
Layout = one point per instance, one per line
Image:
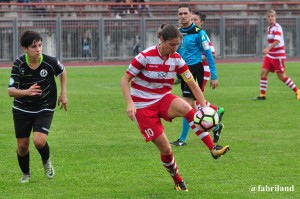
(44, 73)
(162, 75)
(22, 71)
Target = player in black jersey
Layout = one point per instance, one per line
(33, 87)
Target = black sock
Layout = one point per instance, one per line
(45, 152)
(24, 163)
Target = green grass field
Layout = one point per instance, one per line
(97, 152)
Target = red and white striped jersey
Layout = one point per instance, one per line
(213, 51)
(275, 33)
(153, 77)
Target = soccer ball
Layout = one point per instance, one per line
(206, 118)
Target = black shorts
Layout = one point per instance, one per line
(26, 122)
(197, 71)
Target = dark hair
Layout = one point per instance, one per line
(29, 37)
(201, 15)
(185, 6)
(168, 31)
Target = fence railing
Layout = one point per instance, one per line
(120, 39)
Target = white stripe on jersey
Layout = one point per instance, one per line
(132, 70)
(206, 68)
(146, 95)
(46, 109)
(152, 85)
(276, 57)
(145, 104)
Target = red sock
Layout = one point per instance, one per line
(206, 139)
(263, 86)
(208, 104)
(204, 136)
(171, 166)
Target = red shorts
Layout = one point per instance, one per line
(274, 65)
(148, 119)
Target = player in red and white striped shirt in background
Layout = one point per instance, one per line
(152, 74)
(274, 58)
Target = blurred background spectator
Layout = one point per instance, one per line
(86, 45)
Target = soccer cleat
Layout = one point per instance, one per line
(217, 151)
(260, 98)
(220, 113)
(25, 178)
(178, 142)
(298, 94)
(217, 131)
(181, 186)
(49, 170)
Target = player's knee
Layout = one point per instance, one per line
(179, 107)
(186, 104)
(23, 149)
(167, 150)
(280, 76)
(39, 143)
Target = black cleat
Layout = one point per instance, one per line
(178, 142)
(217, 132)
(260, 98)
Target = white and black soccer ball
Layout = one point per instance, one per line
(206, 118)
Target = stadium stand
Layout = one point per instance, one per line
(96, 8)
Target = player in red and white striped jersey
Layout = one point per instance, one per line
(152, 74)
(275, 58)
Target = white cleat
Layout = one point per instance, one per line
(49, 170)
(25, 178)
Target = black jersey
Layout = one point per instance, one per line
(22, 77)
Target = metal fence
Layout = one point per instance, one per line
(121, 39)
